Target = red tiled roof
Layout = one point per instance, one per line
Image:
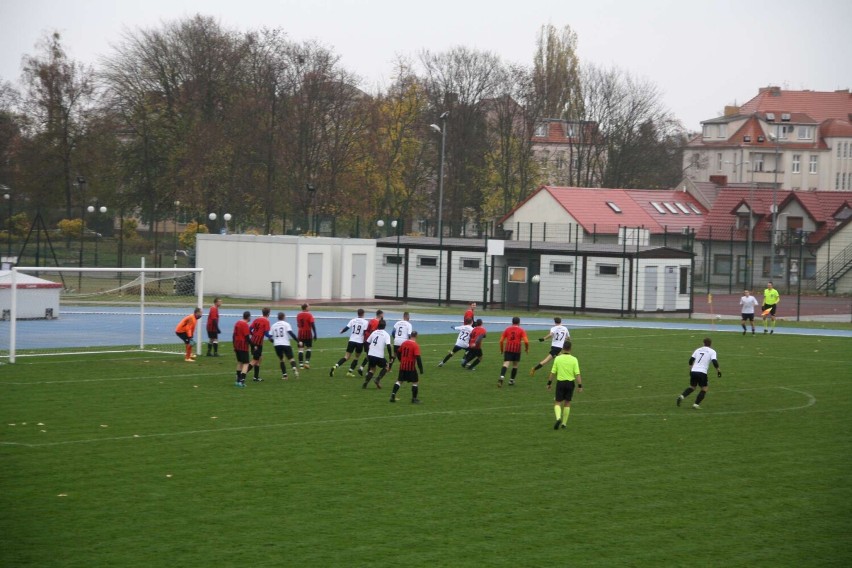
(816, 104)
(836, 128)
(720, 222)
(590, 209)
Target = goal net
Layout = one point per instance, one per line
(46, 311)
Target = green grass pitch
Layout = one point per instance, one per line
(145, 460)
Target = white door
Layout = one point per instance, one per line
(650, 289)
(314, 284)
(359, 276)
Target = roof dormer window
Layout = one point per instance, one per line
(540, 129)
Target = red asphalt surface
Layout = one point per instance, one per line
(729, 305)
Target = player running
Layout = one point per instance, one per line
(372, 326)
(259, 332)
(241, 340)
(401, 333)
(748, 303)
(510, 347)
(462, 341)
(473, 356)
(355, 327)
(699, 364)
(557, 336)
(409, 356)
(377, 344)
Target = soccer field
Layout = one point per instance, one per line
(145, 460)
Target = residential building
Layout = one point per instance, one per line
(569, 153)
(796, 140)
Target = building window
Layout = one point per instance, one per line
(722, 264)
(469, 264)
(561, 267)
(723, 131)
(758, 162)
(607, 269)
(658, 207)
(394, 259)
(540, 129)
(839, 148)
(683, 288)
(784, 131)
(614, 207)
(670, 207)
(427, 261)
(846, 150)
(569, 130)
(560, 161)
(812, 166)
(844, 182)
(709, 130)
(719, 162)
(809, 268)
(694, 209)
(806, 133)
(837, 181)
(797, 163)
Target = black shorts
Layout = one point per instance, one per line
(183, 337)
(564, 391)
(284, 350)
(380, 362)
(408, 377)
(509, 356)
(354, 347)
(554, 351)
(242, 357)
(212, 334)
(768, 307)
(748, 317)
(474, 353)
(257, 351)
(309, 342)
(457, 348)
(698, 379)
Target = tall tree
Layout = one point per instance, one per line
(58, 95)
(556, 73)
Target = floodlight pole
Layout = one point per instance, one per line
(443, 130)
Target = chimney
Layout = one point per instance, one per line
(732, 110)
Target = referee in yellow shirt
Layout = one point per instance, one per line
(566, 369)
(771, 297)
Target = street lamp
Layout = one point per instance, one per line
(774, 137)
(8, 197)
(443, 131)
(174, 240)
(227, 217)
(396, 224)
(101, 209)
(749, 275)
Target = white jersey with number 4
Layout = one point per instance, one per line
(702, 356)
(463, 340)
(558, 335)
(280, 332)
(401, 332)
(378, 341)
(357, 326)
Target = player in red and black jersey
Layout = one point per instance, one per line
(409, 362)
(372, 326)
(242, 342)
(213, 330)
(469, 314)
(259, 333)
(510, 347)
(307, 333)
(473, 356)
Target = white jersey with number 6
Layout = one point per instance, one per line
(558, 335)
(401, 332)
(702, 356)
(379, 339)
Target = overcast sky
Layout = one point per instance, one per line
(701, 54)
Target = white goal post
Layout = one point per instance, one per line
(51, 311)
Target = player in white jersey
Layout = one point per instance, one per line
(699, 364)
(356, 328)
(401, 333)
(462, 341)
(557, 336)
(377, 344)
(748, 303)
(280, 333)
